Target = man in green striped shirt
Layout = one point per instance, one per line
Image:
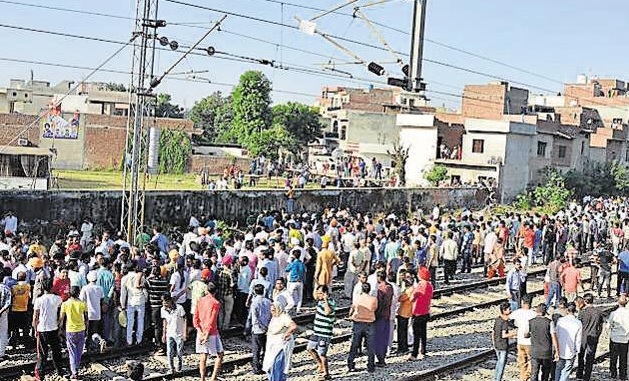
(325, 318)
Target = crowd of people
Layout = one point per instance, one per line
(97, 291)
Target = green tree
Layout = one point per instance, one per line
(270, 141)
(300, 121)
(174, 151)
(437, 174)
(165, 109)
(213, 114)
(112, 86)
(620, 175)
(251, 100)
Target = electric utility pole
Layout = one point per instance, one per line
(141, 117)
(414, 77)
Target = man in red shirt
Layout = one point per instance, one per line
(529, 242)
(422, 295)
(208, 339)
(571, 281)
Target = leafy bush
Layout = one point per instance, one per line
(437, 174)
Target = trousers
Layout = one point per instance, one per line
(48, 340)
(420, 331)
(131, 317)
(297, 291)
(4, 332)
(381, 338)
(75, 342)
(618, 360)
(258, 344)
(360, 331)
(225, 314)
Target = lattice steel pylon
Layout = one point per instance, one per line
(141, 117)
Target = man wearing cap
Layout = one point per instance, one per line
(92, 295)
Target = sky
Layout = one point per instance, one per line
(550, 42)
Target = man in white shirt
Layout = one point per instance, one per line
(92, 295)
(618, 322)
(569, 332)
(46, 324)
(86, 232)
(132, 300)
(10, 223)
(521, 319)
(449, 253)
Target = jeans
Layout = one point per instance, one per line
(402, 334)
(107, 318)
(433, 276)
(420, 331)
(554, 291)
(622, 282)
(564, 368)
(156, 321)
(544, 365)
(174, 346)
(501, 362)
(618, 356)
(586, 358)
(258, 343)
(466, 266)
(605, 279)
(4, 332)
(359, 331)
(131, 310)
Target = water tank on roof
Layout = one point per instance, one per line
(153, 154)
(582, 79)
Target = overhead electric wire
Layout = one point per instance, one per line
(73, 89)
(296, 68)
(383, 25)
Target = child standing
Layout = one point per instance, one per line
(175, 331)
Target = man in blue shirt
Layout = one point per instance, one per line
(160, 240)
(514, 280)
(296, 271)
(623, 272)
(259, 319)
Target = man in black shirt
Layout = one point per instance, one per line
(543, 342)
(500, 338)
(157, 286)
(605, 260)
(592, 319)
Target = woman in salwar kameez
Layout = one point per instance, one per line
(279, 343)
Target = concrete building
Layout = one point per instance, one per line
(362, 122)
(32, 96)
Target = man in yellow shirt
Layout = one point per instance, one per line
(18, 318)
(74, 313)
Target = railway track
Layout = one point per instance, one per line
(473, 360)
(15, 371)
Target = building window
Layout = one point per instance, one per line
(582, 147)
(343, 132)
(541, 149)
(562, 152)
(478, 146)
(335, 127)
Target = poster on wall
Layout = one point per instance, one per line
(55, 127)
